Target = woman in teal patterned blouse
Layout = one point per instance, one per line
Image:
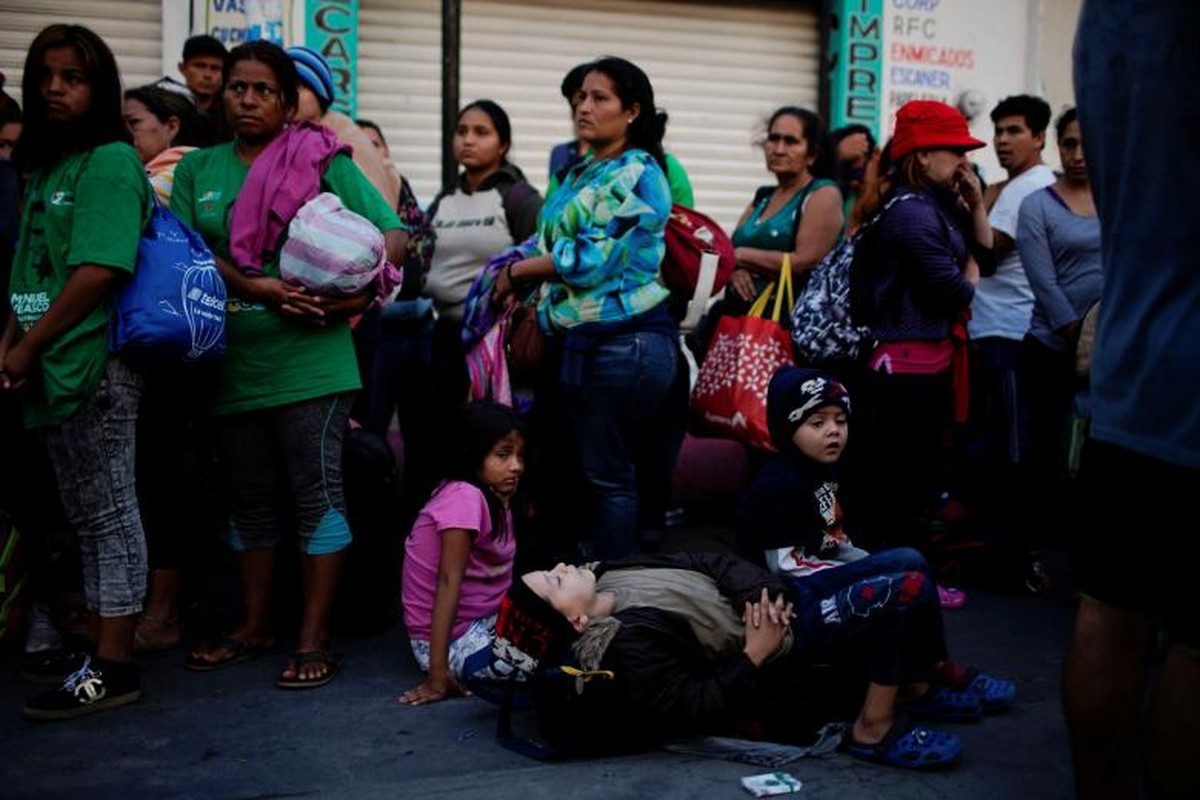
(801, 215)
(597, 255)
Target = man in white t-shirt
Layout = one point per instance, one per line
(1001, 310)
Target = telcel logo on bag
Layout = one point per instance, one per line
(198, 295)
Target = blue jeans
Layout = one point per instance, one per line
(883, 608)
(626, 382)
(93, 457)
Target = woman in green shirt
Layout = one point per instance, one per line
(85, 205)
(284, 391)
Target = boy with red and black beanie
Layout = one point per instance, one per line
(791, 516)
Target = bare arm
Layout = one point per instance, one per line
(395, 241)
(529, 270)
(440, 683)
(1002, 244)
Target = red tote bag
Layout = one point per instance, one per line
(730, 396)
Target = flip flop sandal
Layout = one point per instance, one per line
(946, 705)
(237, 651)
(995, 694)
(909, 746)
(329, 658)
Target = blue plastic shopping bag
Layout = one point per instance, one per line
(172, 310)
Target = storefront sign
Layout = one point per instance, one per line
(857, 78)
(965, 53)
(238, 21)
(331, 28)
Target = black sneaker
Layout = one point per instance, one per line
(97, 685)
(55, 666)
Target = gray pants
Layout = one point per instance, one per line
(284, 464)
(93, 457)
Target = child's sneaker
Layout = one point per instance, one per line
(97, 685)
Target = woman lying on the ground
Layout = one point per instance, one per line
(698, 642)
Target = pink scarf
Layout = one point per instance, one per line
(286, 175)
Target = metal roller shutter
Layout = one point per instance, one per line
(400, 84)
(132, 29)
(717, 68)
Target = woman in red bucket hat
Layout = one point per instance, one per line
(927, 235)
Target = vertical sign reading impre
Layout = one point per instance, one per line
(856, 80)
(331, 28)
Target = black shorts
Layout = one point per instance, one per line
(1139, 523)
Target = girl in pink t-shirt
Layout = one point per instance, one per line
(459, 556)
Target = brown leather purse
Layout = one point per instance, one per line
(526, 343)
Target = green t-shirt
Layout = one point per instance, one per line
(271, 360)
(89, 209)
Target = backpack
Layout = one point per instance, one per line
(172, 309)
(823, 328)
(576, 714)
(689, 235)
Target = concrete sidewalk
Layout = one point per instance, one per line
(231, 734)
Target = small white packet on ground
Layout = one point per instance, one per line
(771, 783)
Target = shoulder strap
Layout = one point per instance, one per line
(800, 207)
(878, 215)
(514, 196)
(431, 212)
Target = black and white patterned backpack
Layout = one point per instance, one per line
(822, 327)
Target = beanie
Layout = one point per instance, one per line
(315, 72)
(792, 397)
